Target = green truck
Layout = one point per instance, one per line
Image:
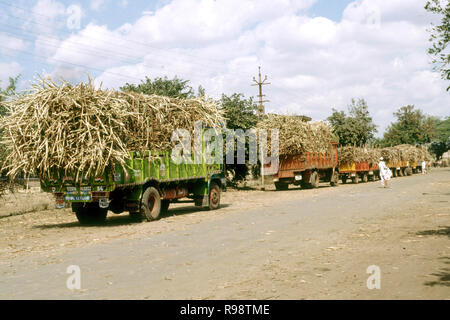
(144, 187)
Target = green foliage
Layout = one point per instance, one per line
(175, 88)
(442, 142)
(411, 127)
(357, 128)
(9, 91)
(241, 113)
(440, 37)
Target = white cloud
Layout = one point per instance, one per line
(96, 4)
(377, 52)
(7, 70)
(46, 15)
(11, 45)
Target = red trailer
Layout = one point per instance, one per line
(307, 169)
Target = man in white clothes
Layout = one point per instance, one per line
(385, 173)
(424, 164)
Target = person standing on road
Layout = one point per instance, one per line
(424, 164)
(385, 173)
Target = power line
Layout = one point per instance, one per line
(70, 63)
(113, 43)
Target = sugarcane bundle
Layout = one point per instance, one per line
(295, 135)
(390, 154)
(374, 155)
(409, 153)
(352, 154)
(81, 128)
(424, 154)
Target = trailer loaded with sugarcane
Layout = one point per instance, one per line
(358, 164)
(98, 150)
(307, 152)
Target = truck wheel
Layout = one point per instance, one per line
(165, 205)
(365, 177)
(90, 214)
(151, 204)
(315, 179)
(344, 179)
(214, 196)
(281, 186)
(334, 180)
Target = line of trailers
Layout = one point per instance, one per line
(308, 169)
(150, 181)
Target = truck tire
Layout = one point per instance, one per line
(334, 180)
(151, 204)
(90, 213)
(281, 186)
(365, 177)
(214, 196)
(315, 179)
(344, 179)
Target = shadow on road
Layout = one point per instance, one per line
(444, 274)
(444, 231)
(125, 219)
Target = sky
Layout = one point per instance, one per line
(317, 54)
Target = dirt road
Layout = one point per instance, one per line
(295, 244)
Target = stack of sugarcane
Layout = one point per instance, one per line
(83, 129)
(409, 153)
(374, 155)
(296, 135)
(352, 154)
(391, 154)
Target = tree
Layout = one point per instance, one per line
(175, 88)
(442, 142)
(355, 129)
(241, 113)
(9, 91)
(440, 37)
(411, 127)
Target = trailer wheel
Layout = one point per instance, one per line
(334, 180)
(214, 196)
(281, 186)
(151, 204)
(89, 213)
(365, 177)
(315, 179)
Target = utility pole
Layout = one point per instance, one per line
(261, 83)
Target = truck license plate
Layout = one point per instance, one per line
(78, 198)
(298, 178)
